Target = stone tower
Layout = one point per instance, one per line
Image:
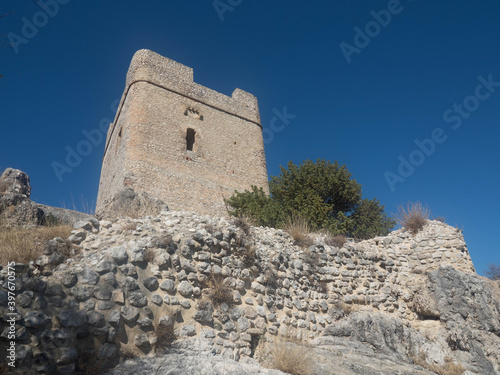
(178, 141)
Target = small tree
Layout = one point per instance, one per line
(493, 272)
(323, 194)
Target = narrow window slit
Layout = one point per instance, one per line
(190, 139)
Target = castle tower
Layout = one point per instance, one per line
(183, 143)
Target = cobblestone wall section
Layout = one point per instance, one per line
(132, 274)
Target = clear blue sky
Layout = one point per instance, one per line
(416, 77)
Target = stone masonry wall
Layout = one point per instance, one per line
(132, 274)
(147, 146)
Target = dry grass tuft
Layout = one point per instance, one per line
(493, 272)
(449, 367)
(3, 186)
(129, 224)
(423, 306)
(335, 241)
(220, 291)
(413, 217)
(247, 254)
(165, 336)
(288, 354)
(150, 255)
(89, 363)
(300, 231)
(243, 223)
(340, 310)
(25, 245)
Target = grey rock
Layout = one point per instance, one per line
(72, 319)
(89, 305)
(105, 266)
(185, 289)
(35, 319)
(105, 305)
(187, 330)
(67, 279)
(24, 299)
(142, 341)
(151, 283)
(243, 324)
(168, 286)
(66, 356)
(96, 319)
(130, 314)
(119, 254)
(88, 276)
(81, 292)
(204, 314)
(102, 293)
(129, 270)
(146, 324)
(132, 203)
(128, 283)
(137, 299)
(115, 318)
(137, 253)
(156, 299)
(82, 225)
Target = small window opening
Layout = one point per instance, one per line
(118, 141)
(190, 139)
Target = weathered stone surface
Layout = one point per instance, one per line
(88, 276)
(72, 319)
(115, 318)
(151, 283)
(185, 289)
(137, 299)
(105, 266)
(168, 286)
(187, 330)
(35, 319)
(119, 254)
(130, 314)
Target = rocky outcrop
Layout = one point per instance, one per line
(17, 210)
(230, 293)
(131, 203)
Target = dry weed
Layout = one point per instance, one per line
(288, 354)
(243, 223)
(25, 245)
(449, 367)
(300, 231)
(220, 291)
(335, 241)
(413, 217)
(150, 255)
(129, 224)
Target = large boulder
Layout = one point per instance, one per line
(18, 210)
(131, 203)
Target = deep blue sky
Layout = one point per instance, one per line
(365, 113)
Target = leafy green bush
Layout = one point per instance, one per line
(323, 194)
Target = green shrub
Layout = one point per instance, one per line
(321, 193)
